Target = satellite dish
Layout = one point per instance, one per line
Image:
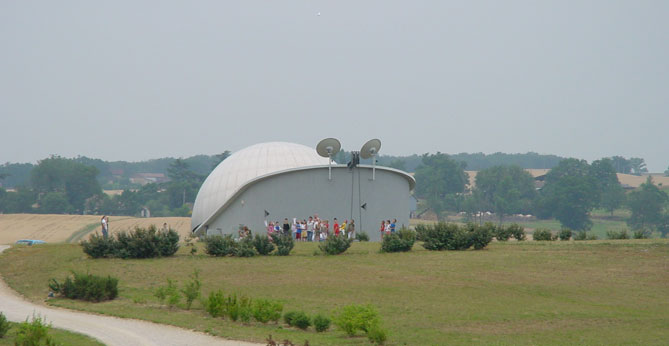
(328, 147)
(370, 149)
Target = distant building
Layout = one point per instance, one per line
(146, 178)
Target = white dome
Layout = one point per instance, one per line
(245, 165)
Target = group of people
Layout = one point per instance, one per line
(387, 227)
(312, 229)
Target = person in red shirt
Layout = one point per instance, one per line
(383, 228)
(336, 226)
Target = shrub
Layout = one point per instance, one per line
(565, 234)
(352, 318)
(400, 241)
(321, 323)
(4, 325)
(517, 231)
(33, 333)
(592, 236)
(335, 245)
(87, 287)
(480, 236)
(265, 310)
(232, 307)
(169, 293)
(138, 243)
(377, 335)
(245, 309)
(622, 234)
(215, 304)
(501, 233)
(245, 248)
(263, 245)
(219, 245)
(362, 236)
(288, 317)
(421, 231)
(284, 244)
(542, 234)
(640, 234)
(191, 290)
(297, 319)
(580, 235)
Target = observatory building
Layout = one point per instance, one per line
(277, 180)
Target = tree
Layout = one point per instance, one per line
(611, 193)
(569, 194)
(54, 203)
(621, 165)
(647, 206)
(19, 201)
(638, 165)
(398, 164)
(220, 158)
(439, 179)
(76, 180)
(506, 189)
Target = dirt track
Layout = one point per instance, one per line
(109, 330)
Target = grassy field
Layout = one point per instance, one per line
(72, 228)
(60, 336)
(595, 292)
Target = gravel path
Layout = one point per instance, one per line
(109, 330)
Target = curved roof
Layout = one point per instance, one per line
(244, 166)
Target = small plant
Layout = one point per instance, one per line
(245, 248)
(592, 236)
(169, 293)
(335, 245)
(245, 309)
(517, 231)
(263, 245)
(297, 319)
(4, 325)
(377, 335)
(232, 307)
(87, 287)
(191, 290)
(138, 243)
(265, 310)
(321, 323)
(288, 317)
(622, 234)
(34, 333)
(400, 241)
(362, 236)
(480, 236)
(218, 245)
(284, 244)
(352, 318)
(640, 234)
(580, 235)
(565, 234)
(542, 234)
(215, 304)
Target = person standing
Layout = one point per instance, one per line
(383, 228)
(336, 227)
(105, 226)
(350, 229)
(286, 227)
(310, 229)
(392, 226)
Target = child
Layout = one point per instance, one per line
(383, 228)
(335, 228)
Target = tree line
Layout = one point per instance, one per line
(570, 192)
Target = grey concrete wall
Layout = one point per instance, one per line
(307, 192)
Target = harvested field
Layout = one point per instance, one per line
(72, 228)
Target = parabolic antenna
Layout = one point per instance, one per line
(328, 147)
(370, 149)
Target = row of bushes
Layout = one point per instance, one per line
(138, 243)
(87, 287)
(503, 233)
(31, 333)
(543, 234)
(226, 245)
(450, 236)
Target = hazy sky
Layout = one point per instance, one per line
(132, 80)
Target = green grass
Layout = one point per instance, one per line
(60, 336)
(516, 293)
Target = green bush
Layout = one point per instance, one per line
(263, 245)
(400, 241)
(622, 234)
(4, 325)
(361, 236)
(480, 236)
(284, 244)
(297, 319)
(169, 293)
(265, 310)
(245, 248)
(377, 335)
(288, 317)
(541, 234)
(517, 231)
(335, 245)
(232, 307)
(215, 304)
(219, 245)
(191, 290)
(421, 231)
(321, 323)
(245, 309)
(352, 318)
(138, 243)
(87, 287)
(580, 235)
(640, 234)
(34, 333)
(501, 233)
(592, 236)
(565, 234)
